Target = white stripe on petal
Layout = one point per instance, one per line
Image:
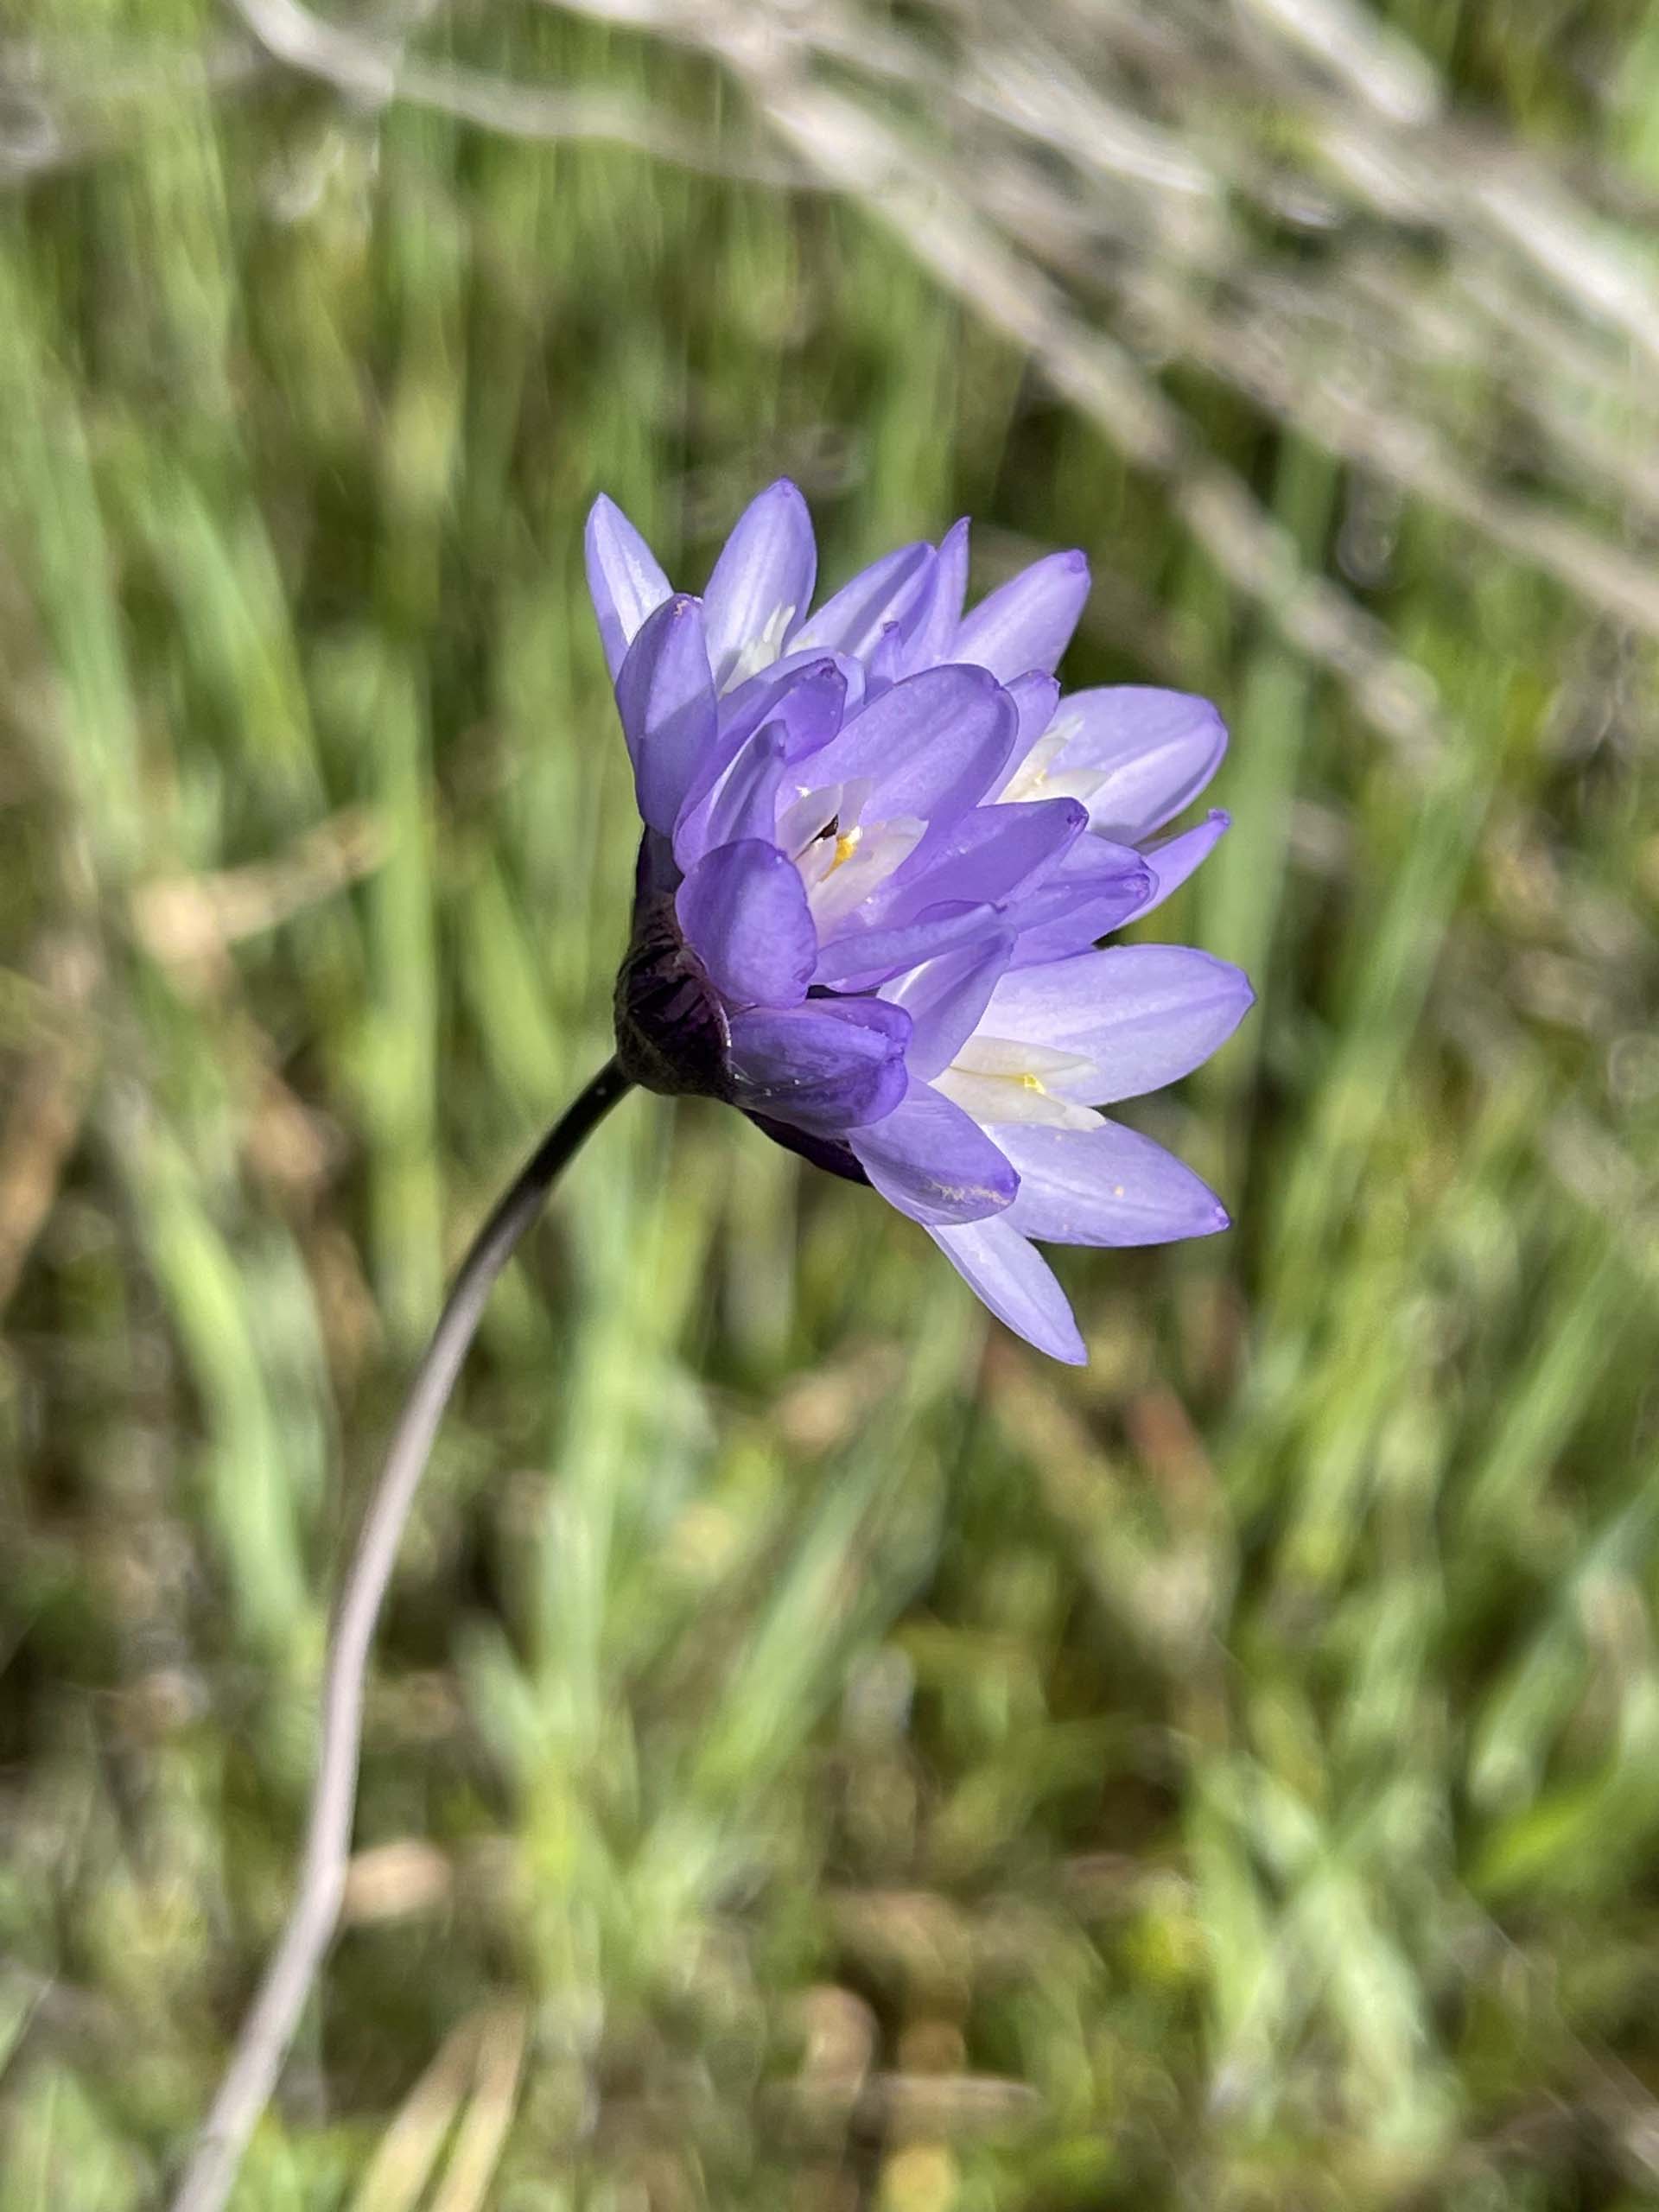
(997, 1080)
(999, 1099)
(1043, 774)
(758, 652)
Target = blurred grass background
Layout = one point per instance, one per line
(821, 1756)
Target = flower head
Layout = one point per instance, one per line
(880, 851)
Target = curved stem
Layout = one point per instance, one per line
(266, 2033)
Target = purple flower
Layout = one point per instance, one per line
(880, 852)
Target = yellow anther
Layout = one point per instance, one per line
(1029, 1082)
(846, 846)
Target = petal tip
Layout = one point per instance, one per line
(970, 677)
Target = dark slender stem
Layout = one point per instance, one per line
(266, 2033)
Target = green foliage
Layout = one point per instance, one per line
(818, 1756)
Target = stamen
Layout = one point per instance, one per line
(846, 846)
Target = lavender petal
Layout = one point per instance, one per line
(762, 584)
(1026, 623)
(1173, 862)
(810, 694)
(1035, 697)
(1143, 1014)
(892, 589)
(946, 998)
(1157, 749)
(930, 747)
(743, 804)
(940, 618)
(934, 1162)
(1093, 888)
(993, 853)
(826, 1066)
(1105, 1185)
(865, 959)
(666, 697)
(1016, 1282)
(623, 579)
(744, 911)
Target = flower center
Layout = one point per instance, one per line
(842, 859)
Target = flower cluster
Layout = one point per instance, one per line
(880, 853)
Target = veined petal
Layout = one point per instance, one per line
(762, 584)
(809, 694)
(1035, 697)
(932, 1161)
(889, 662)
(1043, 774)
(828, 1065)
(665, 696)
(800, 697)
(996, 853)
(1018, 1284)
(623, 579)
(1107, 1186)
(1027, 622)
(930, 746)
(1000, 1080)
(865, 959)
(1093, 888)
(1137, 1016)
(889, 590)
(945, 998)
(930, 640)
(744, 911)
(998, 1104)
(1156, 750)
(1173, 861)
(743, 802)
